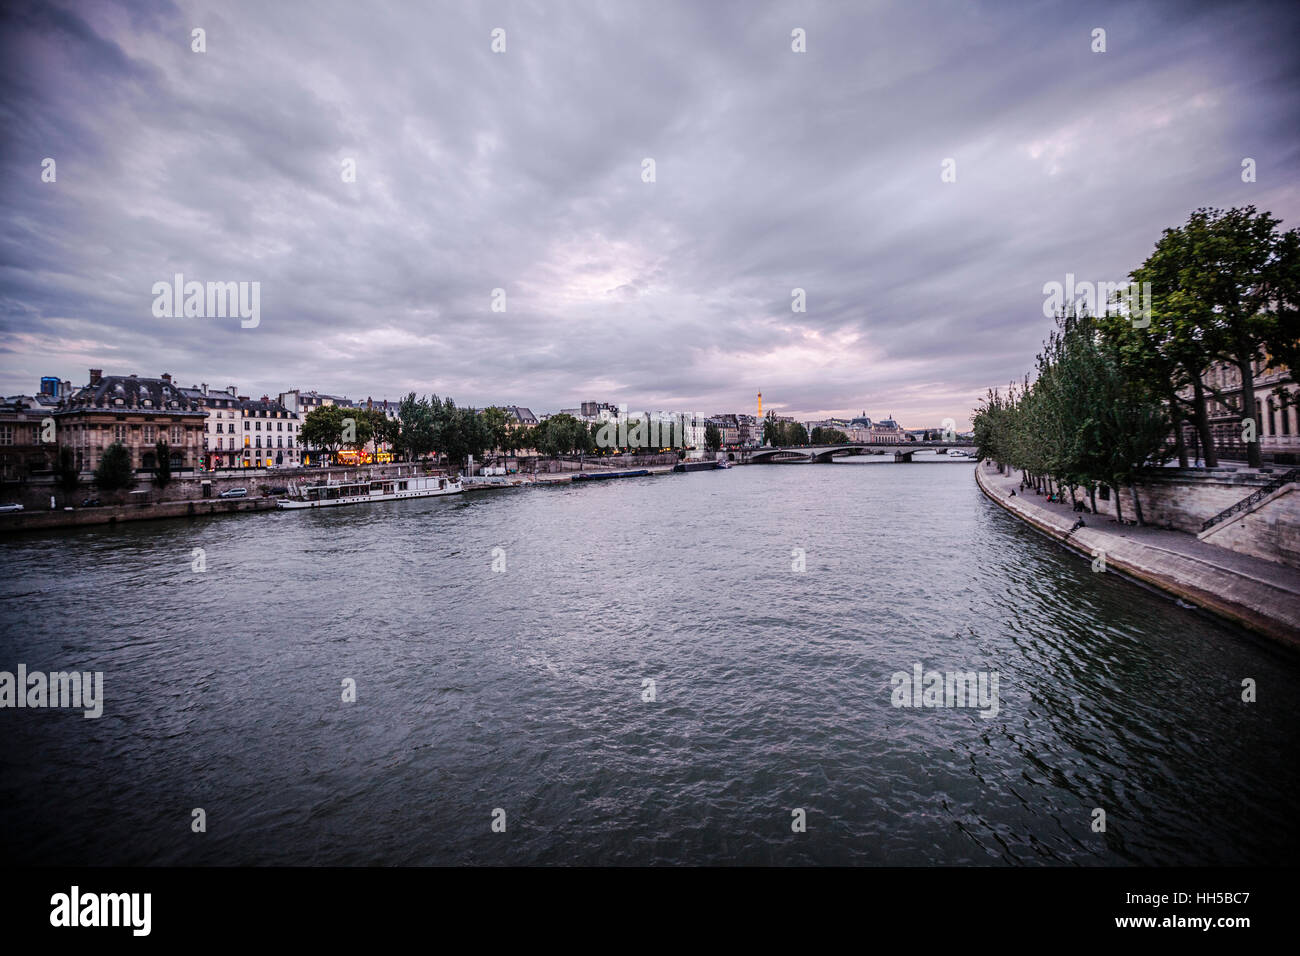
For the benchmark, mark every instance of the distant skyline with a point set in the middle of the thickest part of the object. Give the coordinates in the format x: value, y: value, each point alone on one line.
x: 522, y: 170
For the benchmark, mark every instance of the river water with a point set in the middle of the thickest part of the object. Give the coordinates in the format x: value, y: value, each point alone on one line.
x: 523, y: 690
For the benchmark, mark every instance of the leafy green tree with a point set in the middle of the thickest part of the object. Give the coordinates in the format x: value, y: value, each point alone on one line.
x: 323, y: 428
x: 162, y: 475
x: 1080, y: 422
x: 416, y: 432
x: 115, y: 471
x: 527, y: 437
x: 66, y: 472
x: 827, y: 436
x: 475, y: 433
x: 1166, y: 350
x: 516, y: 439
x: 496, y: 421
x: 378, y: 428
x: 458, y: 432
x: 1224, y: 288
x: 563, y: 434
x: 712, y: 438
x: 356, y: 428
x: 1282, y: 336
x: 1238, y: 265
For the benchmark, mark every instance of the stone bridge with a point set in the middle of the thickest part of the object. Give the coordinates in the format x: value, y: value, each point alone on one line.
x: 805, y: 454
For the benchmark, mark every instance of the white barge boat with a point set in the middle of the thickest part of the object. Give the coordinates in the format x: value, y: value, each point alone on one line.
x: 355, y: 491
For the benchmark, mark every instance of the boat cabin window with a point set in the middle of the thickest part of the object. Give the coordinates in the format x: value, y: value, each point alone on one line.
x: 401, y: 486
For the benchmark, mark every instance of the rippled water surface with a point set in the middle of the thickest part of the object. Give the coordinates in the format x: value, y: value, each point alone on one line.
x: 523, y: 690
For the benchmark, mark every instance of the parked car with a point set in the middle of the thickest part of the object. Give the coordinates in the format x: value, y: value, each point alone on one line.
x: 91, y: 503
x: 13, y: 507
x: 234, y: 493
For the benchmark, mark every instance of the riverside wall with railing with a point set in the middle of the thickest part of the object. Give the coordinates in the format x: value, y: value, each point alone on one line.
x: 1184, y: 499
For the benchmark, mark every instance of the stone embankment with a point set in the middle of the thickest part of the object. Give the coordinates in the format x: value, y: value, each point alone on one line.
x: 267, y: 489
x: 1261, y: 595
x: 112, y: 514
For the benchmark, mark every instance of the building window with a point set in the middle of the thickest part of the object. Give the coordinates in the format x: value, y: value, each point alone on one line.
x: 6, y: 434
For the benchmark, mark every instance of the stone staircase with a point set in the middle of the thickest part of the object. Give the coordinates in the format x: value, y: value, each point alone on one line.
x: 1245, y: 504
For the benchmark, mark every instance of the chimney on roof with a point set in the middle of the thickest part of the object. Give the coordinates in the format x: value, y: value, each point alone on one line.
x: 243, y: 398
x: 231, y: 390
x: 167, y: 377
x: 96, y: 375
x: 204, y: 388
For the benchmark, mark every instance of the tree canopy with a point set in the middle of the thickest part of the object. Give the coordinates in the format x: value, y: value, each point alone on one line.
x: 115, y: 471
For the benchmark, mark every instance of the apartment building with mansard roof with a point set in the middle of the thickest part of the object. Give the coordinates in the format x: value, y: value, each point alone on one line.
x: 138, y: 412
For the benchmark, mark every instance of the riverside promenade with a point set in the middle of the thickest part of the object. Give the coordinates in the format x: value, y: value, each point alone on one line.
x: 1257, y: 594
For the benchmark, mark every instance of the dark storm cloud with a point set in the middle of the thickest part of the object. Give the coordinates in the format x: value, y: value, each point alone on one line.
x: 522, y: 171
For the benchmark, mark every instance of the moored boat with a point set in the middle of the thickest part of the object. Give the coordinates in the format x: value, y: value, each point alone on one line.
x: 357, y: 491
x: 606, y: 475
x: 695, y: 465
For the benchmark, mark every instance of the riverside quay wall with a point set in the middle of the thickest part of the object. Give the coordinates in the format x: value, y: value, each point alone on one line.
x: 1262, y: 596
x: 1185, y: 498
x: 113, y: 514
x: 195, y: 495
x: 34, y: 494
x: 1269, y: 529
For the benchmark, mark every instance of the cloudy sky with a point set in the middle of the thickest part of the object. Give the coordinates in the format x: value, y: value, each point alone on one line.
x: 523, y: 170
